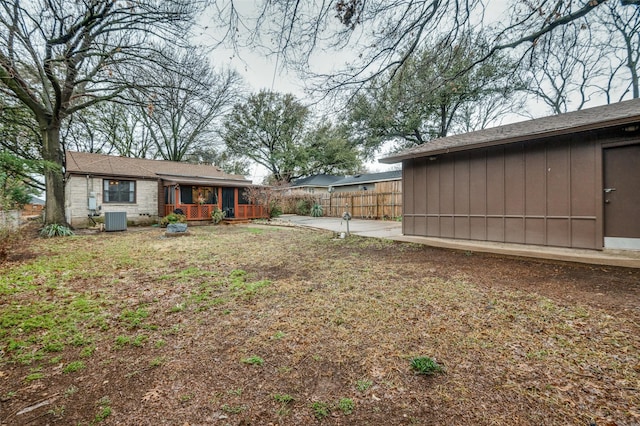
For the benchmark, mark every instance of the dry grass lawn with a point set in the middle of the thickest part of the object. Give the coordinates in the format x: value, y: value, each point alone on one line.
x: 239, y: 325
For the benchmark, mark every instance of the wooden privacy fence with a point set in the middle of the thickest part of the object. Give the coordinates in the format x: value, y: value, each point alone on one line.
x: 362, y: 204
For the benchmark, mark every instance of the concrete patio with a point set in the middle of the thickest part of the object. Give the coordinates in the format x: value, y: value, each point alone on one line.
x: 392, y: 230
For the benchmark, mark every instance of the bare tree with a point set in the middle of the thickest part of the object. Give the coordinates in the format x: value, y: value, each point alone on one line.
x: 623, y: 25
x: 179, y: 107
x: 386, y: 34
x: 565, y: 67
x: 60, y: 57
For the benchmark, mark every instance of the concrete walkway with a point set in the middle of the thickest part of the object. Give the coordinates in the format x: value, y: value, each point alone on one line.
x: 393, y: 231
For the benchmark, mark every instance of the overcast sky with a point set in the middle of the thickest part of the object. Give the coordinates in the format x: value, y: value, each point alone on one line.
x: 265, y: 72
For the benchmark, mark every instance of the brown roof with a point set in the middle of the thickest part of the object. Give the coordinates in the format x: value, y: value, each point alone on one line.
x: 618, y: 114
x: 109, y: 165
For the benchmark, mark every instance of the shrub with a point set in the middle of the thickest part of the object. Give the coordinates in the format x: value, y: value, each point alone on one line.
x: 172, y: 218
x: 274, y: 210
x: 303, y: 207
x: 425, y: 365
x: 56, y: 230
x: 217, y: 215
x: 316, y: 210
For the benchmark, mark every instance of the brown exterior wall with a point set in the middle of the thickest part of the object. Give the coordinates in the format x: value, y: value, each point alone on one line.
x: 545, y: 192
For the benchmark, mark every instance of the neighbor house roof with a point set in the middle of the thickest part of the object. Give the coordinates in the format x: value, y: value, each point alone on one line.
x: 618, y: 114
x: 173, y: 171
x: 369, y: 178
x: 315, y: 180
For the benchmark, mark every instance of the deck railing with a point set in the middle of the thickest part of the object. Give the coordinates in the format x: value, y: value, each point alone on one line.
x: 203, y: 211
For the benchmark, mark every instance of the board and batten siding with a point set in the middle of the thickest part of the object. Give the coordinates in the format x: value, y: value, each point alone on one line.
x: 542, y: 193
x: 143, y: 211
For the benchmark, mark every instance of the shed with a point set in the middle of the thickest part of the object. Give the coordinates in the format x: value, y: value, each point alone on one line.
x: 569, y: 180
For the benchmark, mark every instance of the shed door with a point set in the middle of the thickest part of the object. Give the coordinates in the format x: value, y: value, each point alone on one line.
x: 622, y: 197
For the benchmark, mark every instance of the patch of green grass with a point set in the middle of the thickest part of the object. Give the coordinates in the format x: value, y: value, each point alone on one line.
x: 186, y: 397
x: 157, y: 361
x: 363, y: 384
x: 30, y: 331
x: 104, y: 405
x: 34, y: 376
x: 346, y: 405
x: 253, y: 360
x: 283, y: 398
x: 320, y: 409
x: 139, y: 340
x: 240, y: 287
x: 87, y: 351
x: 235, y: 391
x: 121, y: 341
x: 425, y: 365
x: 9, y: 395
x: 74, y: 366
x: 133, y: 319
x: 233, y: 409
x: 278, y: 335
x: 160, y: 344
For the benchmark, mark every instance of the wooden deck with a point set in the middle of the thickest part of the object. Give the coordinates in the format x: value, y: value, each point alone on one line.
x: 203, y: 211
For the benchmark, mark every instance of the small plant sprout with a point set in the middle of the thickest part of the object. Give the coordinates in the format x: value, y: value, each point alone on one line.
x: 346, y: 405
x: 320, y: 410
x: 425, y: 365
x: 74, y: 366
x: 363, y: 384
x: 253, y: 360
x: 278, y: 335
x: 283, y: 398
x: 156, y: 362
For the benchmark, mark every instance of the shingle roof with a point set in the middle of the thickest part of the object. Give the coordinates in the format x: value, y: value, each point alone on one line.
x: 109, y: 165
x: 618, y: 114
x: 315, y: 180
x: 369, y: 178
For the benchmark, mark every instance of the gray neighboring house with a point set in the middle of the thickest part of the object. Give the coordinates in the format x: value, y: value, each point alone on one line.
x: 365, y: 182
x: 570, y: 180
x: 314, y: 184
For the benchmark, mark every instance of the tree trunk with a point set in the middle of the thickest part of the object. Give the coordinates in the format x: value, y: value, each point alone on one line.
x: 53, y: 175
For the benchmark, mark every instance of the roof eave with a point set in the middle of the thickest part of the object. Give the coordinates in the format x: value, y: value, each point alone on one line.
x: 522, y: 138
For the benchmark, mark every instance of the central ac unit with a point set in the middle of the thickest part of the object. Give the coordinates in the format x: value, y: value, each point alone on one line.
x: 115, y: 221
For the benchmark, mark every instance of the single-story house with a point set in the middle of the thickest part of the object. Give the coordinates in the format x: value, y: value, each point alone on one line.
x: 365, y: 182
x: 313, y: 184
x: 148, y: 189
x: 570, y: 180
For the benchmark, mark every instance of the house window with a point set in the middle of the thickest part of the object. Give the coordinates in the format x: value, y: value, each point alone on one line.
x: 119, y: 191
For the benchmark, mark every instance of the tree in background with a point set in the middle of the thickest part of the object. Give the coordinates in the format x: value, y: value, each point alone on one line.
x: 15, y: 173
x: 211, y: 154
x: 109, y: 128
x: 58, y: 58
x: 179, y: 106
x: 330, y: 151
x: 268, y: 129
x: 274, y: 131
x: 20, y: 139
x: 434, y: 94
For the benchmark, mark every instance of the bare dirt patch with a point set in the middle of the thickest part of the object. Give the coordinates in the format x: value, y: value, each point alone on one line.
x: 264, y: 325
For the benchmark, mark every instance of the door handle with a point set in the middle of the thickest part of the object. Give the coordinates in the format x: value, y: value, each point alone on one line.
x: 608, y: 190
